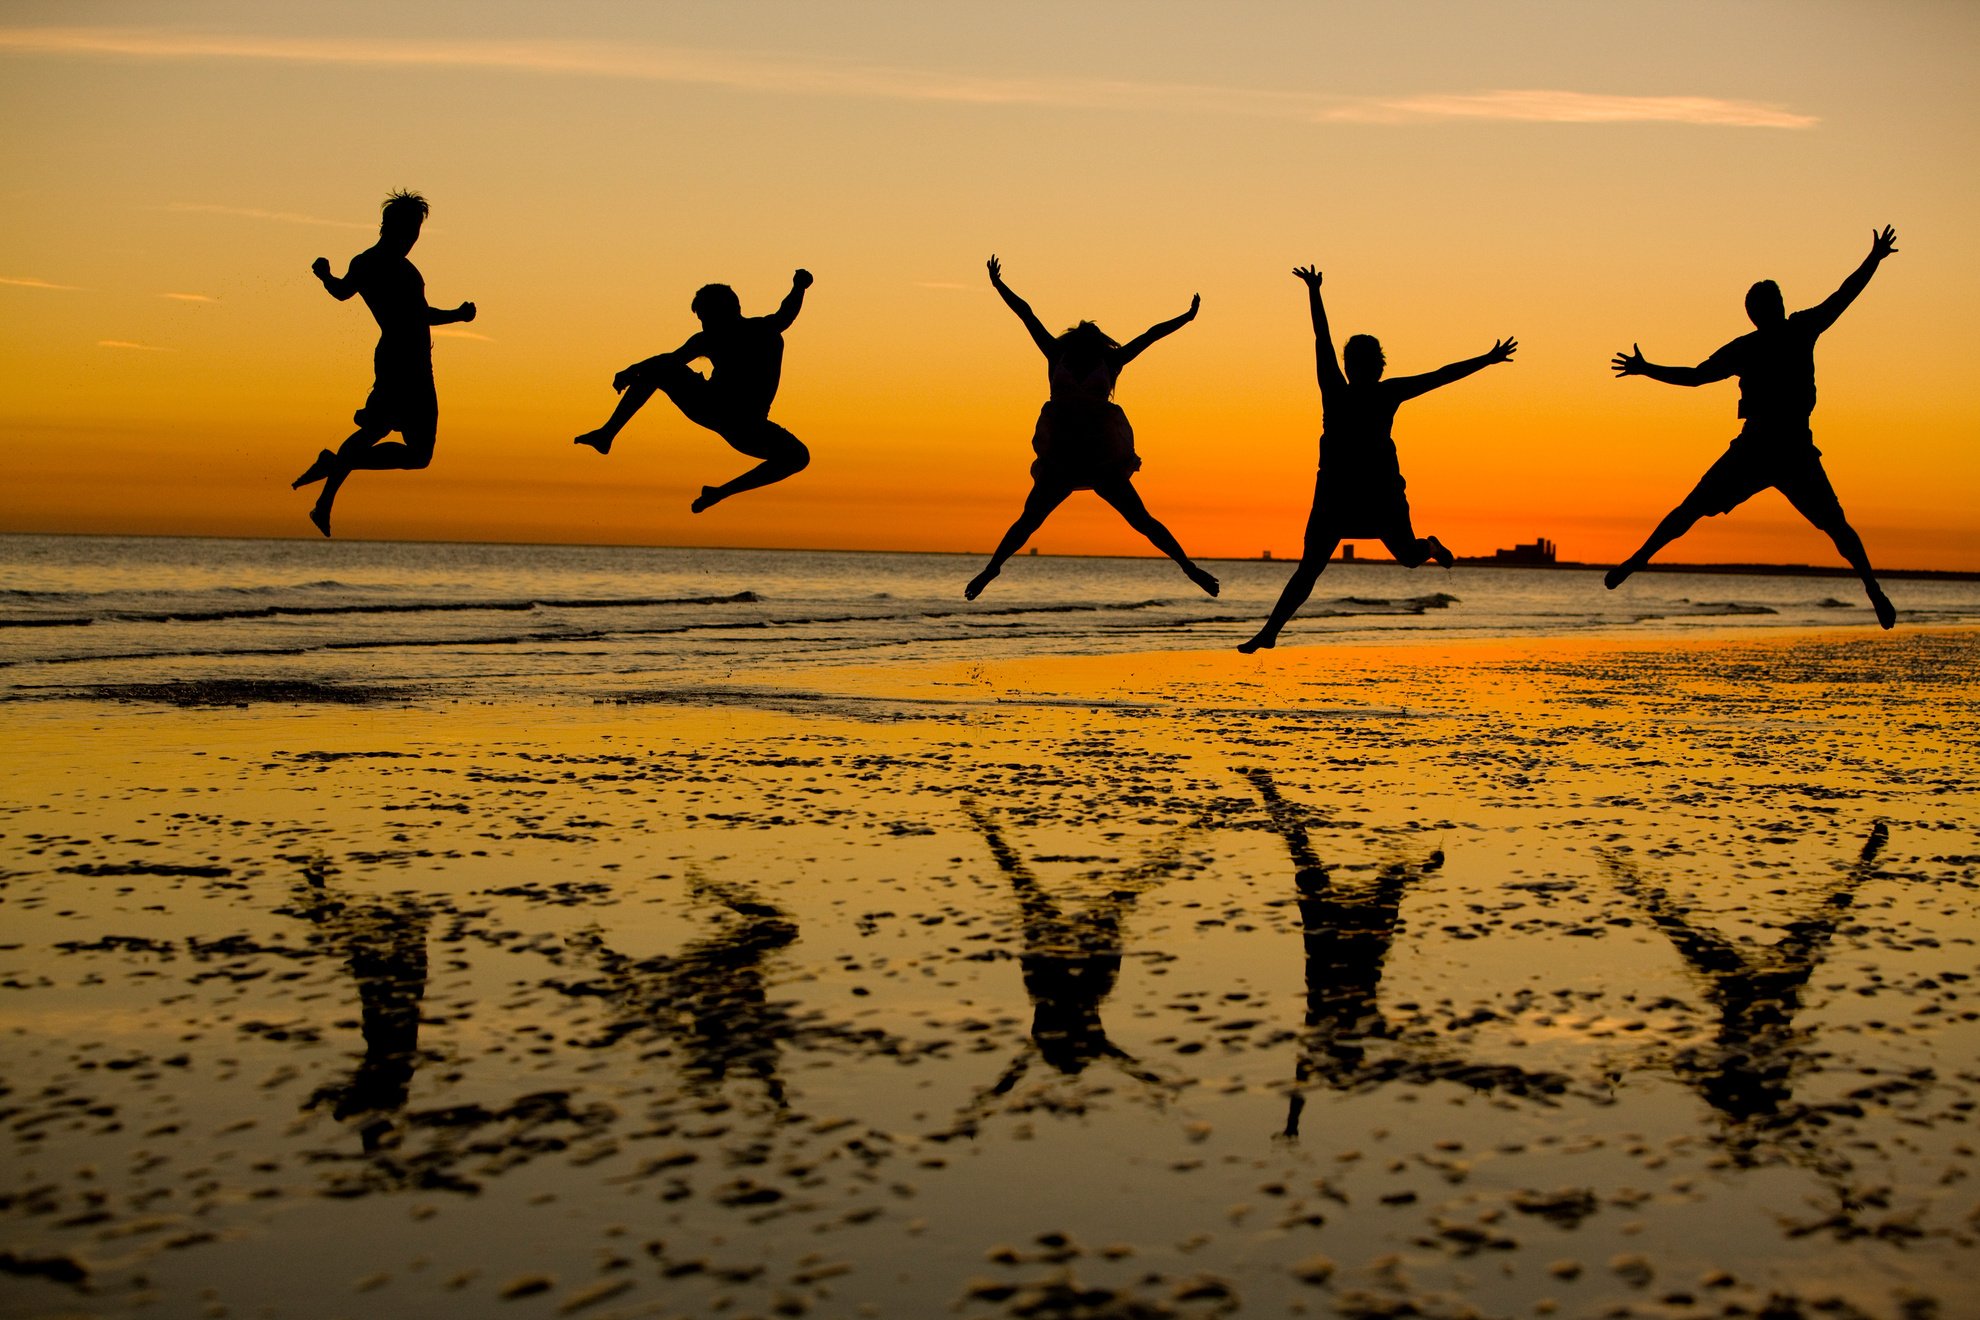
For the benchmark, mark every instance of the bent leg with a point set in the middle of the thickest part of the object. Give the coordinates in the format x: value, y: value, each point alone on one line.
x: 631, y: 400
x: 1127, y: 502
x: 365, y: 451
x: 783, y: 455
x: 1321, y: 543
x: 1038, y: 505
x: 1815, y: 499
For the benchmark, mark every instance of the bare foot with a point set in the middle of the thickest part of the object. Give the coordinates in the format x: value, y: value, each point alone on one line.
x: 1439, y: 552
x: 709, y: 498
x: 597, y: 440
x: 1259, y: 643
x: 317, y: 471
x: 1202, y: 579
x: 1886, y: 612
x: 978, y: 583
x: 1618, y: 575
x: 320, y: 515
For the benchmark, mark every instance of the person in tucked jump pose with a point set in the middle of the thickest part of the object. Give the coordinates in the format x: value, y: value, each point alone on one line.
x: 1083, y: 440
x: 1359, y: 491
x: 402, y: 397
x: 745, y: 355
x: 1776, y: 369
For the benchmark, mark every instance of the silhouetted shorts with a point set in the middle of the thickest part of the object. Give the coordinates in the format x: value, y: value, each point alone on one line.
x: 700, y: 402
x: 402, y: 398
x: 1351, y: 508
x: 1790, y: 464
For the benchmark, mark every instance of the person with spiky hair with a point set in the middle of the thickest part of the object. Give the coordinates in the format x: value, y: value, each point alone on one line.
x: 745, y: 355
x: 1775, y: 447
x: 402, y: 398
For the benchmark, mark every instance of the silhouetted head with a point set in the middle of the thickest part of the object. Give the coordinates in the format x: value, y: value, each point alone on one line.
x: 400, y: 218
x: 1764, y: 305
x: 1085, y: 345
x: 716, y: 304
x: 1362, y: 359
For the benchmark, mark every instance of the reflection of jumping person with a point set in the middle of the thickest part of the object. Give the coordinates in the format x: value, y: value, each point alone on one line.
x: 1748, y: 1073
x: 1083, y: 440
x: 402, y: 397
x: 746, y: 360
x: 1776, y: 369
x: 1358, y: 491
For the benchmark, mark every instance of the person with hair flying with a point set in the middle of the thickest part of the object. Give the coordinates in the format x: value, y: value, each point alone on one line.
x: 402, y: 398
x: 1082, y: 439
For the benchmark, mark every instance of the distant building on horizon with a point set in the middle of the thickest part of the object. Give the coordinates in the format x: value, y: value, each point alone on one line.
x: 1539, y: 551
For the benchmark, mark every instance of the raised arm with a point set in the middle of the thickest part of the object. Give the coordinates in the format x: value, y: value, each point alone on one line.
x: 1824, y: 313
x: 793, y: 301
x: 1039, y: 336
x: 1326, y: 363
x: 341, y: 289
x: 1633, y: 363
x: 1133, y: 348
x: 1411, y: 386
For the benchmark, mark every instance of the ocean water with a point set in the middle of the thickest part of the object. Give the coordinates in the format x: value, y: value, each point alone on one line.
x: 93, y: 614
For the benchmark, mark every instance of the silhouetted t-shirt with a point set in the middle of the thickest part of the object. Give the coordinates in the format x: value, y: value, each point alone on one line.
x: 395, y: 293
x: 746, y: 362
x: 1776, y: 370
x: 1355, y: 441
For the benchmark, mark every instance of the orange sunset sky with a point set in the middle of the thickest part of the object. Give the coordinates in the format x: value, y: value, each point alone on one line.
x: 1583, y: 176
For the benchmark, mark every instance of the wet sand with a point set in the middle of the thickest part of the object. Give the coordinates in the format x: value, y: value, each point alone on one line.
x: 1577, y: 978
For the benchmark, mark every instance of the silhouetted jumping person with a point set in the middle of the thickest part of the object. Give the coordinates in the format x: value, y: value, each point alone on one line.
x: 1776, y: 369
x: 745, y: 356
x: 1083, y: 440
x: 1359, y: 490
x: 402, y: 397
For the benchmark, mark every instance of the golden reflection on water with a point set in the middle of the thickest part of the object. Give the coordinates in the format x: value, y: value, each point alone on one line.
x: 1171, y: 975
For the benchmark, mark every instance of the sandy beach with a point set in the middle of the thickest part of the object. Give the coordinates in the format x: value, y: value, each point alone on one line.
x: 1469, y: 978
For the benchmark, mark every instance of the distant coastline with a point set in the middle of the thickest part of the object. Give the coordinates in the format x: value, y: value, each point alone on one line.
x: 1736, y: 570
x: 1468, y: 561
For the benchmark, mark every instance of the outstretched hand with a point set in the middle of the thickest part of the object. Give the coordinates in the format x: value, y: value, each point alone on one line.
x: 1882, y: 244
x: 1195, y: 301
x: 1630, y: 363
x: 466, y: 311
x: 1309, y: 274
x: 1502, y: 351
x: 801, y: 279
x: 996, y: 268
x: 320, y: 268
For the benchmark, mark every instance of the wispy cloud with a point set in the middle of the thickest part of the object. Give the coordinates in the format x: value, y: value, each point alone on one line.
x: 823, y: 77
x: 1555, y: 107
x: 127, y: 343
x: 257, y: 213
x: 189, y: 297
x: 28, y: 282
x: 455, y: 332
